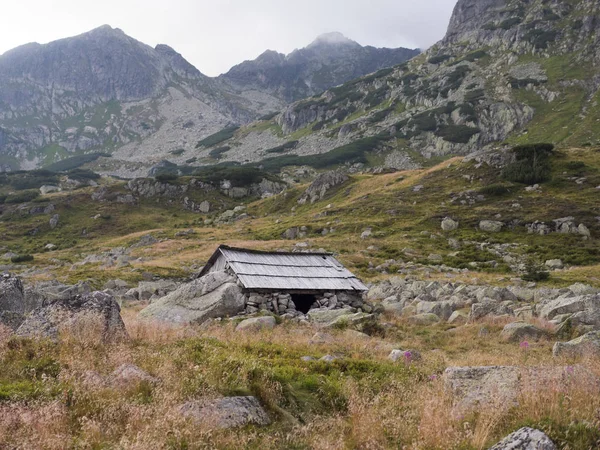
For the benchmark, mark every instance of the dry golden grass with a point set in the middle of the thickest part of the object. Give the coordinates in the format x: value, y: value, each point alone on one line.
x: 408, y: 410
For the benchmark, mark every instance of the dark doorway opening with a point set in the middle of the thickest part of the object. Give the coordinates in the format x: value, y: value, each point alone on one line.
x: 303, y: 302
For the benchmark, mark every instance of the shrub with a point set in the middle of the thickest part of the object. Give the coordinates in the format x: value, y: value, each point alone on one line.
x: 23, y: 197
x: 494, y: 190
x: 424, y: 122
x: 474, y: 96
x: 283, y: 148
x: 350, y: 153
x: 540, y: 38
x: 509, y: 23
x: 535, y: 272
x: 468, y: 111
x: 178, y: 152
x: 238, y: 176
x: 217, y: 153
x: 166, y: 177
x: 75, y: 162
x: 218, y: 137
x: 532, y: 164
x: 21, y: 258
x: 474, y: 56
x: 34, y: 179
x: 269, y: 116
x: 458, y: 134
x: 375, y: 97
x: 83, y: 175
x: 439, y: 59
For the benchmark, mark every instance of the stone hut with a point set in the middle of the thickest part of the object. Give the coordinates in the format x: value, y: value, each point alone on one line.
x: 288, y: 283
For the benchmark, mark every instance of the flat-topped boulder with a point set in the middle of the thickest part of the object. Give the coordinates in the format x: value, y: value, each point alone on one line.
x: 97, y: 309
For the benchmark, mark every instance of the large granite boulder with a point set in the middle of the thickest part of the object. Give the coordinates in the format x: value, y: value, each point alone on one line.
x: 12, y: 296
x: 212, y: 296
x: 588, y: 344
x: 501, y: 386
x: 322, y: 184
x: 525, y: 439
x: 75, y: 313
x: 227, y: 412
x: 520, y: 331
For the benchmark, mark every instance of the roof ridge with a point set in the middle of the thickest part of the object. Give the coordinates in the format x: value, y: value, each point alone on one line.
x: 264, y: 252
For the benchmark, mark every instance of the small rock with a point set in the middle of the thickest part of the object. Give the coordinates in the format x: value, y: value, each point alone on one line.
x: 424, y: 319
x: 54, y: 221
x: 257, y: 324
x: 554, y: 264
x: 404, y: 355
x: 449, y: 224
x: 491, y: 226
x: 525, y: 439
x: 227, y: 412
x: 129, y: 375
x: 458, y: 318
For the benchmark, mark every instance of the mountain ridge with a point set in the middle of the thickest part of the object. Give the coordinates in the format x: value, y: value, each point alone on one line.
x: 507, y: 72
x: 104, y: 90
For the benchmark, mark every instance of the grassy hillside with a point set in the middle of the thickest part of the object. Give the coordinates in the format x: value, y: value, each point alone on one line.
x: 404, y: 211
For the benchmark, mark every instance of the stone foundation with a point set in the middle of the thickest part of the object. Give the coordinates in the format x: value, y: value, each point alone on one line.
x: 282, y: 303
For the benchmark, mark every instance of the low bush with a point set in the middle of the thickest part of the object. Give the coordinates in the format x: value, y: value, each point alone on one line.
x: 494, y: 190
x: 21, y: 258
x: 532, y: 164
x: 458, y: 134
x: 283, y: 148
x: 439, y: 59
x: 218, y: 137
x: 166, y: 177
x: 217, y: 153
x: 75, y: 162
x: 22, y: 197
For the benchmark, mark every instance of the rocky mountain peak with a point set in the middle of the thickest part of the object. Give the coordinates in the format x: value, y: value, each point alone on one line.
x: 177, y: 62
x: 470, y: 15
x: 333, y: 39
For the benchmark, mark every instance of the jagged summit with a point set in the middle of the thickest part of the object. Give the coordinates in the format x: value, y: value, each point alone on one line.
x: 104, y: 91
x: 333, y: 38
x: 331, y: 59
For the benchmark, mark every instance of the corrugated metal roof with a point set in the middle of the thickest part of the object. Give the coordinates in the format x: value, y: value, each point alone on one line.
x: 289, y: 271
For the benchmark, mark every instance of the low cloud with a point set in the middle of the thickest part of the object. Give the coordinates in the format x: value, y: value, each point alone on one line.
x: 215, y: 35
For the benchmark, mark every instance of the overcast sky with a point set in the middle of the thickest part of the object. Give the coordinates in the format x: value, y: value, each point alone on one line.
x: 215, y: 35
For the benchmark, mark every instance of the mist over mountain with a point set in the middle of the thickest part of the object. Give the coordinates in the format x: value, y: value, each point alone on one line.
x: 331, y: 59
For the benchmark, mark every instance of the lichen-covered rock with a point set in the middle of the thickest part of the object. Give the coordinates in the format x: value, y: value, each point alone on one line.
x: 76, y: 314
x: 212, y: 296
x: 519, y: 331
x: 257, y: 324
x: 11, y: 319
x: 491, y: 226
x: 525, y: 439
x: 501, y: 386
x: 322, y: 184
x: 588, y: 344
x: 227, y: 412
x: 424, y: 319
x: 449, y: 224
x: 490, y: 308
x: 128, y: 375
x: 12, y: 297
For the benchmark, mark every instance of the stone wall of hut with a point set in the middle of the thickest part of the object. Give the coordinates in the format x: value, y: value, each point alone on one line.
x: 281, y: 303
